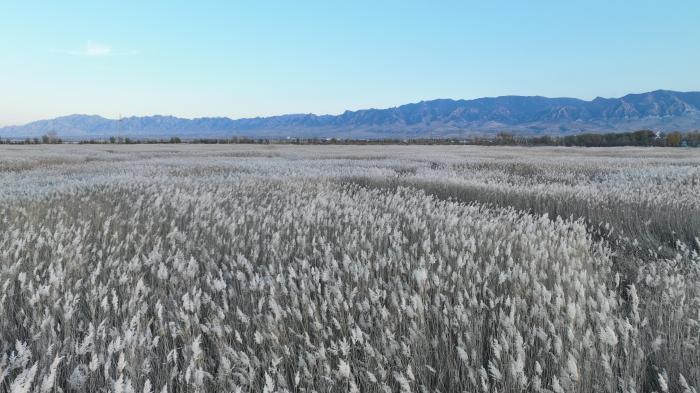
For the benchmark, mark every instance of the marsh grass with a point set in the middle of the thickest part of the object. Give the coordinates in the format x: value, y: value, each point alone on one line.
x: 208, y: 269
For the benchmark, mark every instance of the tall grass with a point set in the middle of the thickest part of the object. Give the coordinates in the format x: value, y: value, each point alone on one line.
x: 226, y: 270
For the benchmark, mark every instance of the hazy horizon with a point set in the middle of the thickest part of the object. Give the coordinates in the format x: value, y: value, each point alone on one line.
x: 247, y: 60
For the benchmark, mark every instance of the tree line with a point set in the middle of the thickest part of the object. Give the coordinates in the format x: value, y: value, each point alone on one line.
x: 636, y: 138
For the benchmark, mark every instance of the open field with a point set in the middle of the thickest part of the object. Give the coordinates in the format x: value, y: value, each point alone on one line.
x: 186, y: 268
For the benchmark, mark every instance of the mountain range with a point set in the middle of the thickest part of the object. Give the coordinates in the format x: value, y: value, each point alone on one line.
x: 660, y: 110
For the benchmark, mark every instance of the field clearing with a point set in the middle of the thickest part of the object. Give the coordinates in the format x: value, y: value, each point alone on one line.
x: 187, y: 268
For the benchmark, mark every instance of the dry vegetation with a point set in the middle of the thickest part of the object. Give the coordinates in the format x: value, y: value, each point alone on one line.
x: 375, y: 269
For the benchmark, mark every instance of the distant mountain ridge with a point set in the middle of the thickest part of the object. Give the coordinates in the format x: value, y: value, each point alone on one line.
x: 661, y: 110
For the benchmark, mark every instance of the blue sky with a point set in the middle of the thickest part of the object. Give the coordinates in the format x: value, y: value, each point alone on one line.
x: 255, y: 58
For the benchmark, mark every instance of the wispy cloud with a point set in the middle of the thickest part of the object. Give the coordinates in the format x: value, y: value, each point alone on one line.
x: 98, y: 49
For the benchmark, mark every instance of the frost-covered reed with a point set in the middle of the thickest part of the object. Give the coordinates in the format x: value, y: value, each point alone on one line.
x: 256, y: 269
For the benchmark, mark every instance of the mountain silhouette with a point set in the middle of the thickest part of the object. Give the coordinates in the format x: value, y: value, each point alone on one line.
x: 660, y: 110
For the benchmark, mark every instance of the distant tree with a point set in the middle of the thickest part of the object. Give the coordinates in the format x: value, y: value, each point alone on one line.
x: 543, y: 140
x: 693, y: 138
x: 674, y: 139
x: 175, y: 140
x: 50, y: 137
x: 644, y: 137
x: 505, y: 138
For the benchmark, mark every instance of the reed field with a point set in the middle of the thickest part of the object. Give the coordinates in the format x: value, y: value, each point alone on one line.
x: 281, y: 268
